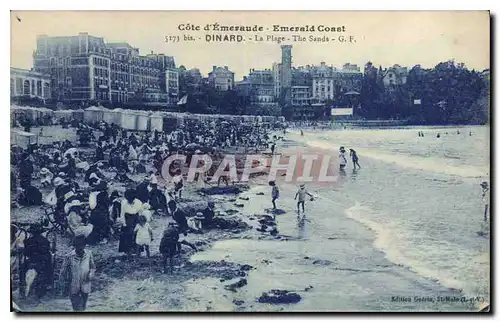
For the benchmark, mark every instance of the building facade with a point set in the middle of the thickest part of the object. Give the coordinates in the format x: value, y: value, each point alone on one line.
x: 221, y: 78
x: 29, y: 83
x: 286, y: 72
x: 329, y: 82
x: 84, y: 68
x: 301, y: 103
x: 322, y: 82
x: 172, y: 85
x: 277, y: 80
x: 395, y: 76
x: 262, y: 87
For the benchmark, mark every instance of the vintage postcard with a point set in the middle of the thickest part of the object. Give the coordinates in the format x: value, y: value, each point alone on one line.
x: 237, y: 161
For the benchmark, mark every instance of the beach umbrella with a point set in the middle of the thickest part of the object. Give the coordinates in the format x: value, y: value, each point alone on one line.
x: 192, y: 146
x: 71, y: 151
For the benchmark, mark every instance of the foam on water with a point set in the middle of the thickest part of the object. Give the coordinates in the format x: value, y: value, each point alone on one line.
x: 395, y: 250
x: 434, y: 164
x: 430, y: 231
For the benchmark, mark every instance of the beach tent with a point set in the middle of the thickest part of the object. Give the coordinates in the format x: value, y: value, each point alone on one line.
x: 78, y: 114
x: 268, y: 118
x: 170, y: 122
x: 22, y: 139
x: 32, y: 113
x: 142, y: 120
x: 66, y: 115
x: 44, y: 112
x: 128, y: 120
x: 117, y: 116
x: 180, y: 118
x: 112, y: 116
x: 108, y: 116
x: 93, y: 114
x: 25, y: 112
x: 156, y: 121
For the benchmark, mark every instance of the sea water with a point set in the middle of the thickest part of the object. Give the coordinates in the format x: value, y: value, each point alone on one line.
x: 407, y: 225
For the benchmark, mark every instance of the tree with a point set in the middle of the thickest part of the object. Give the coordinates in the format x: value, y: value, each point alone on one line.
x: 449, y: 93
x: 371, y: 93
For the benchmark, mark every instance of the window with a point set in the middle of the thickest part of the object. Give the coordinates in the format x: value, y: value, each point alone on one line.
x: 46, y: 90
x: 26, y: 87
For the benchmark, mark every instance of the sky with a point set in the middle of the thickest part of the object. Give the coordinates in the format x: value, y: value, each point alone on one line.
x: 384, y: 38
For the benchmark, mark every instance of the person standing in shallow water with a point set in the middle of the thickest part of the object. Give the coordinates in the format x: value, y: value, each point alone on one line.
x: 342, y: 158
x: 275, y: 193
x: 77, y: 272
x: 354, y: 157
x: 485, y: 197
x: 301, y: 193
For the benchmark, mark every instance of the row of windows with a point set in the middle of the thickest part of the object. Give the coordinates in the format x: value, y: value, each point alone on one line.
x: 29, y: 88
x: 79, y: 61
x: 119, y: 77
x: 101, y: 72
x: 101, y: 62
x: 60, y: 61
x: 98, y: 82
x: 119, y: 97
x: 135, y: 70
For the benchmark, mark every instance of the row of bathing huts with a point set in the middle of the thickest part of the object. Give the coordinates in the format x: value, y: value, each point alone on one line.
x: 132, y: 119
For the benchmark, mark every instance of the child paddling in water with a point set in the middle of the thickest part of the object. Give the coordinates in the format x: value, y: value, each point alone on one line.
x: 485, y: 197
x: 275, y: 193
x: 301, y: 193
x: 354, y: 157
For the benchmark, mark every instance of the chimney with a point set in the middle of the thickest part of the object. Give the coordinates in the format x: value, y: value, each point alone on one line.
x: 226, y: 68
x: 214, y: 68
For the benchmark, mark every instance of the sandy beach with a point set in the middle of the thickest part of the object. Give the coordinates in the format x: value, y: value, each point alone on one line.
x: 337, y: 261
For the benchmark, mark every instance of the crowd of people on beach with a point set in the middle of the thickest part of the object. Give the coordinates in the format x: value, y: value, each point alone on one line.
x: 108, y: 185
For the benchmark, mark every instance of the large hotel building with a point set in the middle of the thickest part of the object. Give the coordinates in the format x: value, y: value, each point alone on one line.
x: 84, y: 68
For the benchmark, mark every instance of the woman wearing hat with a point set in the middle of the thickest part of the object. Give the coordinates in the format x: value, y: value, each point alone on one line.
x: 129, y: 216
x: 46, y: 177
x: 99, y: 215
x: 77, y: 219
